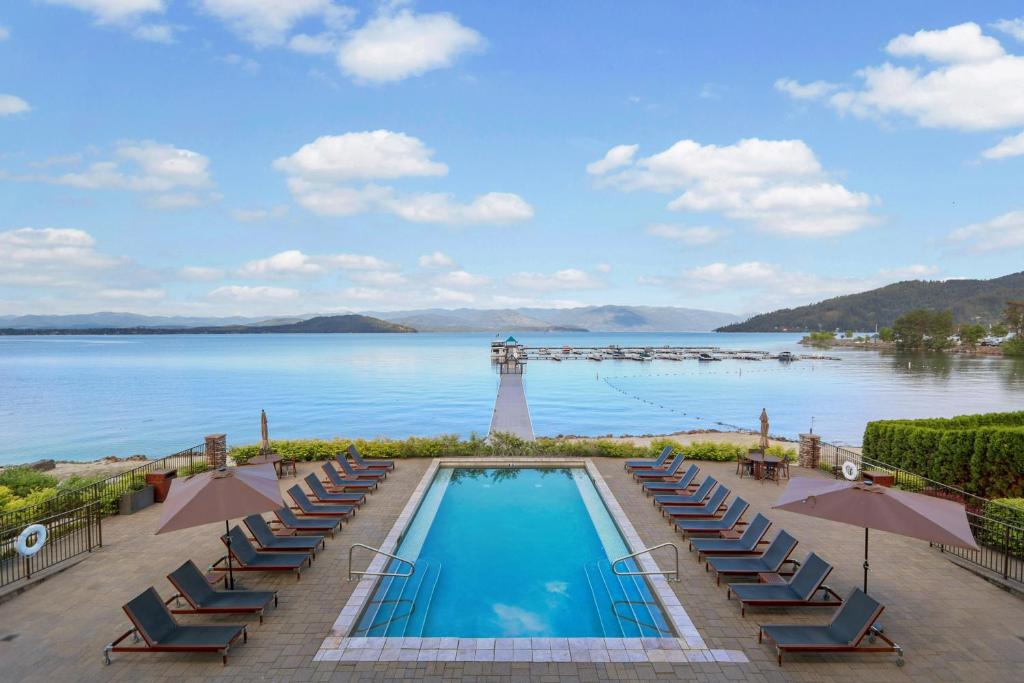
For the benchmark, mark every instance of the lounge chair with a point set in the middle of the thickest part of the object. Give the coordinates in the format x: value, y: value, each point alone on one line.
x: 679, y: 486
x: 307, y: 507
x: 747, y: 544
x: 247, y: 559
x: 271, y: 542
x: 798, y: 592
x: 710, y: 507
x: 660, y: 474
x: 202, y: 598
x: 337, y: 483
x: 706, y: 525
x: 649, y: 463
x: 357, y: 473
x: 770, y: 562
x: 695, y: 498
x: 321, y: 493
x: 850, y: 624
x: 160, y: 632
x: 306, y: 525
x: 372, y: 463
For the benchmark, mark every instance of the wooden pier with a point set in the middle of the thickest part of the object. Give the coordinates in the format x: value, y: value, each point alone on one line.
x: 511, y: 413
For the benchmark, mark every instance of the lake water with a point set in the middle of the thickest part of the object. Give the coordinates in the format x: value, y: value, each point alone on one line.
x: 81, y: 398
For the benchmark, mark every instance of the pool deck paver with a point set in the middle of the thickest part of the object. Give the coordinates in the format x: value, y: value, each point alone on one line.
x: 953, y: 625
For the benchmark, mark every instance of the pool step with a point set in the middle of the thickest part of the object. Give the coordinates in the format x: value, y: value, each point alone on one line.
x: 417, y: 621
x: 624, y: 604
x: 394, y: 601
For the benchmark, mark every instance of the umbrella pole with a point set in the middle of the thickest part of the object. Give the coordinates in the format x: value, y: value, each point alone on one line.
x: 231, y: 570
x: 866, y: 565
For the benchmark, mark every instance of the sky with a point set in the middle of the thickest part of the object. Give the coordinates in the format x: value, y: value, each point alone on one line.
x: 257, y: 157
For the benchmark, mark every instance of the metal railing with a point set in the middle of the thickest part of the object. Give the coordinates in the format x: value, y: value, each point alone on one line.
x: 1000, y: 541
x: 69, y: 533
x: 378, y: 551
x: 672, y: 575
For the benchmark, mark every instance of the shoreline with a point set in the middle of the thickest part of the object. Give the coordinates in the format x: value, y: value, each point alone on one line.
x: 993, y: 351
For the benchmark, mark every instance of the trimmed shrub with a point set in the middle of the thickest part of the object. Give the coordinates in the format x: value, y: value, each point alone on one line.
x: 983, y: 454
x: 24, y: 480
x: 1010, y: 511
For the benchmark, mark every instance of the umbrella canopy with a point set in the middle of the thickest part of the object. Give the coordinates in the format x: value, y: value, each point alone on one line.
x: 764, y: 430
x: 264, y: 434
x: 220, y: 495
x: 879, y: 507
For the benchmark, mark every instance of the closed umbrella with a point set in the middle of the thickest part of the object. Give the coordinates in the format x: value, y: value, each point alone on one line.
x: 264, y: 434
x: 879, y: 507
x: 217, y: 495
x: 764, y: 430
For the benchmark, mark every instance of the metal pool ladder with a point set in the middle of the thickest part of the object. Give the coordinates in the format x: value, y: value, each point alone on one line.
x: 402, y: 575
x: 672, y: 575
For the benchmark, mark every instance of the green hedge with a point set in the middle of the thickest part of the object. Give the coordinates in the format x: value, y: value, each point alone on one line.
x: 983, y: 454
x: 500, y: 445
x: 1010, y: 511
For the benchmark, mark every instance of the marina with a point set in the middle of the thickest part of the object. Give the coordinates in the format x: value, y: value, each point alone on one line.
x: 646, y: 354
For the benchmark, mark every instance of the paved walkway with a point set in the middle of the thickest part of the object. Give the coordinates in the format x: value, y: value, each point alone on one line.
x: 953, y: 625
x: 511, y: 413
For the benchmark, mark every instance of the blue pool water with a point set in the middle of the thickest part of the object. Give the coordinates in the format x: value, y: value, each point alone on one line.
x: 512, y: 553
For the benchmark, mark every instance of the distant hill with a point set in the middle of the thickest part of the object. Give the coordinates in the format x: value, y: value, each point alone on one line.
x: 980, y: 301
x: 110, y: 319
x: 473, y: 320
x: 318, y: 325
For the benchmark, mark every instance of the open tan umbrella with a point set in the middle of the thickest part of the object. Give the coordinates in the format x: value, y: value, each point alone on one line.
x: 764, y: 430
x: 879, y: 507
x: 264, y: 434
x: 221, y: 494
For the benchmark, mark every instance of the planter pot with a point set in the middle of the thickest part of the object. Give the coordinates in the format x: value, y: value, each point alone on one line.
x: 133, y: 501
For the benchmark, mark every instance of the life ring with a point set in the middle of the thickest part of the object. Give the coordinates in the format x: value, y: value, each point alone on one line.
x: 850, y: 471
x: 22, y: 546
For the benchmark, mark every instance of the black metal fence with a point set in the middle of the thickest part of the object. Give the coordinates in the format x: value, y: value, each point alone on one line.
x: 1000, y: 539
x: 69, y: 533
x: 72, y: 516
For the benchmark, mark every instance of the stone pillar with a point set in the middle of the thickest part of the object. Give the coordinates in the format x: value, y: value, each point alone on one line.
x: 810, y: 451
x: 216, y: 450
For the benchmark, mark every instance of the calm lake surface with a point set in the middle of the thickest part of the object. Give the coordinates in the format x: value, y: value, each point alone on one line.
x: 81, y: 398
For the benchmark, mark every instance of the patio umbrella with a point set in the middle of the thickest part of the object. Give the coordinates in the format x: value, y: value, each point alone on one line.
x: 764, y: 430
x: 220, y: 494
x: 879, y: 507
x: 264, y: 434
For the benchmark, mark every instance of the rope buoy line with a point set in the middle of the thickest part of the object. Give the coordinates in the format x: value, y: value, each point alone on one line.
x: 719, y: 423
x: 713, y: 372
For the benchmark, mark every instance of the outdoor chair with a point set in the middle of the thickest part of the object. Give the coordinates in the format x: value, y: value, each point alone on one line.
x: 649, y: 463
x: 270, y: 542
x: 307, y: 507
x: 202, y: 598
x: 708, y: 509
x: 799, y: 591
x: 287, y: 519
x: 154, y: 629
x: 354, y: 473
x: 708, y: 524
x: 248, y: 559
x: 655, y: 475
x: 336, y: 482
x: 696, y: 498
x: 850, y: 624
x: 684, y: 483
x: 747, y: 544
x: 371, y: 464
x: 321, y: 493
x: 743, y: 464
x: 770, y: 562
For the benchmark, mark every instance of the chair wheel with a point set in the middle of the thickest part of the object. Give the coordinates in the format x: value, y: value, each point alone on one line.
x: 900, y: 661
x: 871, y: 638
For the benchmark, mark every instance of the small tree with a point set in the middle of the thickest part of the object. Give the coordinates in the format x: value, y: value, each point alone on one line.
x: 887, y: 334
x: 1014, y: 317
x: 999, y: 330
x: 970, y: 335
x: 848, y: 334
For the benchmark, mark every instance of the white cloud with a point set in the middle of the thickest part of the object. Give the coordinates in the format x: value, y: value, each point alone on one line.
x: 1002, y: 232
x: 397, y: 45
x: 1011, y: 146
x: 201, y: 273
x: 147, y: 294
x: 244, y: 63
x: 436, y: 259
x: 1011, y: 27
x: 364, y: 155
x: 569, y: 278
x: 320, y: 44
x: 805, y: 91
x: 462, y: 278
x: 777, y: 184
x: 12, y: 104
x: 356, y: 262
x: 694, y: 237
x: 5, y: 32
x: 49, y: 256
x: 365, y: 293
x: 152, y: 167
x: 257, y: 215
x: 289, y: 263
x: 443, y: 294
x: 619, y: 155
x: 973, y: 83
x: 247, y: 294
x: 603, y: 268
x: 378, y: 278
x: 113, y: 11
x: 493, y: 208
x: 268, y: 22
x: 155, y: 33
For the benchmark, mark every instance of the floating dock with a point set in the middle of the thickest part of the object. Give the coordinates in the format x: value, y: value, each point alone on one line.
x: 511, y: 413
x: 651, y: 353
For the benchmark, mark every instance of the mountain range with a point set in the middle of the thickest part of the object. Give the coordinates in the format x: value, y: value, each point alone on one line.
x: 971, y: 301
x: 316, y: 325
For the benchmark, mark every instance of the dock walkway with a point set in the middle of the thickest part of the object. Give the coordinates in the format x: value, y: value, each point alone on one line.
x: 511, y: 414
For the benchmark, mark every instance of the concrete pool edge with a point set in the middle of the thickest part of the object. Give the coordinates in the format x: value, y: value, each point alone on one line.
x: 687, y: 646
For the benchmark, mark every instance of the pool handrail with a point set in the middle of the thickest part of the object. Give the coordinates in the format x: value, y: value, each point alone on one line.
x: 353, y: 572
x: 670, y: 575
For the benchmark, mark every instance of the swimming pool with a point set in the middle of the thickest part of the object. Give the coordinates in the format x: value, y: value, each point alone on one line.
x: 512, y: 552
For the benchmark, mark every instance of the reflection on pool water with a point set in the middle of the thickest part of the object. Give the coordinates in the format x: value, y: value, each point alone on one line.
x: 512, y: 552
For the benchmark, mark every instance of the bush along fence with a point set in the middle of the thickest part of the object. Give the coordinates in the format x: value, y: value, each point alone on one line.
x: 71, y: 511
x: 998, y: 525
